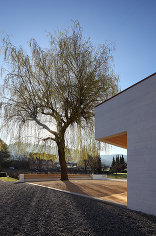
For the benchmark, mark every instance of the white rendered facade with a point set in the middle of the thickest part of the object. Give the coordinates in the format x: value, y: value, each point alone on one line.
x: 129, y: 120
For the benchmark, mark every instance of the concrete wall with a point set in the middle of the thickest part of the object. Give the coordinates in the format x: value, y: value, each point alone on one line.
x: 134, y: 111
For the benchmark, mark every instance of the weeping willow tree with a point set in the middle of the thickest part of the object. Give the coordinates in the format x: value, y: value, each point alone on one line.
x: 52, y: 90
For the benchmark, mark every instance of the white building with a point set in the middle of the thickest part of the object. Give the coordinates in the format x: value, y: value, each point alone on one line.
x: 128, y: 120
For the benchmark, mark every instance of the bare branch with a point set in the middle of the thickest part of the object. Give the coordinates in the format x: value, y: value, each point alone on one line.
x: 49, y: 138
x: 45, y: 126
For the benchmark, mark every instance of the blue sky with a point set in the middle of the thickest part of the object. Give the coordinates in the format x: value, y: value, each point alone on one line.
x: 129, y: 25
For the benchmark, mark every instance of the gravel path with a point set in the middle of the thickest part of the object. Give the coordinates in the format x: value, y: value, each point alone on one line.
x: 32, y: 210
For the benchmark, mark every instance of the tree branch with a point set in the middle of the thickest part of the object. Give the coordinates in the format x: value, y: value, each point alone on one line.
x: 49, y: 138
x: 45, y: 126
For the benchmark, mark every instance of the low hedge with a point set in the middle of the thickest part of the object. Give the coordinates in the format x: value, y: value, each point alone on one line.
x: 3, y: 174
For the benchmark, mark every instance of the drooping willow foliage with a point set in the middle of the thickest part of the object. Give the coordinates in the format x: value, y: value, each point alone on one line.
x: 28, y: 138
x: 50, y: 94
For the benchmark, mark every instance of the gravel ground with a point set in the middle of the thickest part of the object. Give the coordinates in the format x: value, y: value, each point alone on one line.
x: 32, y: 210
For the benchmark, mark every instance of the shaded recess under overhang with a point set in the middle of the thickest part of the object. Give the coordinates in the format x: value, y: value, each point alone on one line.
x: 119, y: 139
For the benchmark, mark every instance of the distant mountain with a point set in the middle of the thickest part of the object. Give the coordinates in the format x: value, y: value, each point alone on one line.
x: 107, y: 159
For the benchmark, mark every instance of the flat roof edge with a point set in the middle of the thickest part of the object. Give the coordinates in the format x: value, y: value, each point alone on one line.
x: 126, y: 89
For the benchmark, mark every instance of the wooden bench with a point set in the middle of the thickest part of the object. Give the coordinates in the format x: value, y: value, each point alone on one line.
x: 47, y: 177
x: 79, y: 176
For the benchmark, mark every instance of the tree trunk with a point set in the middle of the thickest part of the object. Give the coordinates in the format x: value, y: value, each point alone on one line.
x: 61, y: 153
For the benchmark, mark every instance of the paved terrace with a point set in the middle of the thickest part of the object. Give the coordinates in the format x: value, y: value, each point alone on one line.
x: 109, y: 190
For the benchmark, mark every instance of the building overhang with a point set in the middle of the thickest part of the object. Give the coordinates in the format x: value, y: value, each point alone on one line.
x: 119, y: 139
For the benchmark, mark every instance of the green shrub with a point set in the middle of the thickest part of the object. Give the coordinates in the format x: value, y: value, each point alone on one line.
x: 14, y: 175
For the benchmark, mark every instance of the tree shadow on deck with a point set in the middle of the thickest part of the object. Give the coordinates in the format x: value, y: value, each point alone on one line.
x: 73, y: 187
